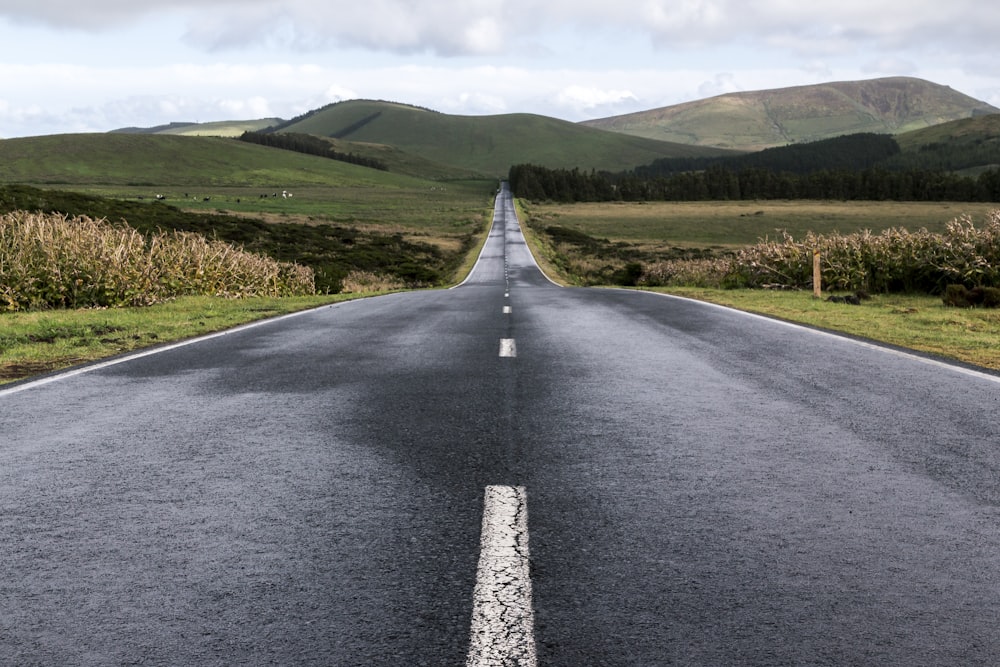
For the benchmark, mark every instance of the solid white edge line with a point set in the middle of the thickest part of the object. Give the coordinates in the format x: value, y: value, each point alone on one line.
x: 496, y: 201
x: 80, y: 370
x: 937, y: 363
x: 513, y: 212
x: 502, y: 631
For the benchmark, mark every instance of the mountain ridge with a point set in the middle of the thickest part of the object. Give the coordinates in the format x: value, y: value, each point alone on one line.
x: 755, y: 120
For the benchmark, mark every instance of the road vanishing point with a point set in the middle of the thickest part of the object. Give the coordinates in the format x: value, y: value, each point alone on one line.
x: 504, y: 473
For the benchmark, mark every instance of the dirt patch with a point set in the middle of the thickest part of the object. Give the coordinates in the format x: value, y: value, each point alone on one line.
x: 25, y: 369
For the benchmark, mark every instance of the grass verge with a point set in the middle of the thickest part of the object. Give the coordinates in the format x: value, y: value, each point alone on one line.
x: 916, y: 322
x: 36, y: 342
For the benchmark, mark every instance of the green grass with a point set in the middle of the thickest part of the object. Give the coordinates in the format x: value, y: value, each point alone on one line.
x: 37, y: 342
x: 427, y: 209
x: 915, y: 322
x: 165, y: 161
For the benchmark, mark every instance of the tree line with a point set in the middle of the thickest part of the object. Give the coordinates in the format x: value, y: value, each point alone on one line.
x: 851, y: 152
x: 862, y: 166
x: 310, y: 145
x: 752, y: 183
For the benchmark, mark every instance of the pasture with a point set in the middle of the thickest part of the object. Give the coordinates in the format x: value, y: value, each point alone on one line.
x: 727, y: 225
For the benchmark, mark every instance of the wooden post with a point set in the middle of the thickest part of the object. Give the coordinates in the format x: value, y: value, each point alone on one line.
x: 817, y: 275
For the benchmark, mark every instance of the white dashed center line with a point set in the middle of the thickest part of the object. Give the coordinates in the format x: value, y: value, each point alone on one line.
x: 507, y: 347
x: 507, y: 310
x: 502, y: 616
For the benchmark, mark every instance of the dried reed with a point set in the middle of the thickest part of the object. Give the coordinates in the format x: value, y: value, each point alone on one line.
x: 53, y: 261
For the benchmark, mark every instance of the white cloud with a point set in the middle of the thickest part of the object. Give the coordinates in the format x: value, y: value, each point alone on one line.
x: 586, y: 101
x: 720, y: 84
x: 472, y: 103
x: 476, y: 27
x: 165, y: 60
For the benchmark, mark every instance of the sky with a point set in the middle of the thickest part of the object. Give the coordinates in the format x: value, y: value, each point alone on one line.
x: 98, y: 65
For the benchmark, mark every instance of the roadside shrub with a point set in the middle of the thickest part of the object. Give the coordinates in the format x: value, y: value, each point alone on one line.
x: 958, y: 296
x: 367, y: 281
x: 895, y: 260
x: 705, y: 272
x: 54, y: 261
x: 628, y: 275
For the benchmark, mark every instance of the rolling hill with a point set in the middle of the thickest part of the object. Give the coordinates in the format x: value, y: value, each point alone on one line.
x: 417, y: 142
x: 763, y: 119
x: 485, y: 144
x: 166, y: 160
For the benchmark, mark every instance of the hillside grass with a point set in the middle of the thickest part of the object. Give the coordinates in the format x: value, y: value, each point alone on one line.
x: 754, y: 120
x: 189, y: 162
x: 486, y: 144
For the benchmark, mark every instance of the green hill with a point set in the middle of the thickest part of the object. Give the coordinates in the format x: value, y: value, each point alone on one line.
x: 969, y: 145
x: 488, y: 145
x: 768, y: 118
x: 167, y: 160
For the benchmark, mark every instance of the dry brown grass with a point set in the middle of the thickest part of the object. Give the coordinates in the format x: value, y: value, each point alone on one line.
x: 360, y: 282
x: 895, y: 260
x: 53, y: 261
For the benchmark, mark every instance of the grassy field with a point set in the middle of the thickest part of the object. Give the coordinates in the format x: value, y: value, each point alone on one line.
x: 165, y: 161
x: 217, y: 175
x: 723, y: 225
x: 428, y: 210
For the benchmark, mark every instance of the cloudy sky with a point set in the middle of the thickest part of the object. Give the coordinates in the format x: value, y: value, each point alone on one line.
x: 97, y: 65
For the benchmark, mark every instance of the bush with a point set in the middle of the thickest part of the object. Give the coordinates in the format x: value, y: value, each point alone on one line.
x: 54, y: 261
x: 896, y: 260
x: 628, y: 276
x: 958, y: 296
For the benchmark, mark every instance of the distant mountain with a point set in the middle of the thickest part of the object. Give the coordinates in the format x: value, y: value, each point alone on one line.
x: 225, y: 128
x: 488, y: 145
x: 767, y: 118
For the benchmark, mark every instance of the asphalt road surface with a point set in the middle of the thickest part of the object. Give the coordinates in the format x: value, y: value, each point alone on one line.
x: 702, y: 487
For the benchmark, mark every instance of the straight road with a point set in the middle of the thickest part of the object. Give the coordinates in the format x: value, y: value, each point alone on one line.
x: 703, y: 487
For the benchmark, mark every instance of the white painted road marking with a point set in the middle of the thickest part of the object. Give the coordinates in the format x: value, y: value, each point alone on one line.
x: 506, y: 310
x: 508, y: 347
x: 502, y: 616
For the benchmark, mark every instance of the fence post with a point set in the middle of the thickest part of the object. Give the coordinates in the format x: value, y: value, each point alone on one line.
x: 817, y: 275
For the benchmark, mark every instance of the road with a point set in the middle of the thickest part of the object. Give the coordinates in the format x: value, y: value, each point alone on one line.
x: 703, y: 487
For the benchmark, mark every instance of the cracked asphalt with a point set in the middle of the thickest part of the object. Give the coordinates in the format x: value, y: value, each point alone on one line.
x: 703, y: 488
